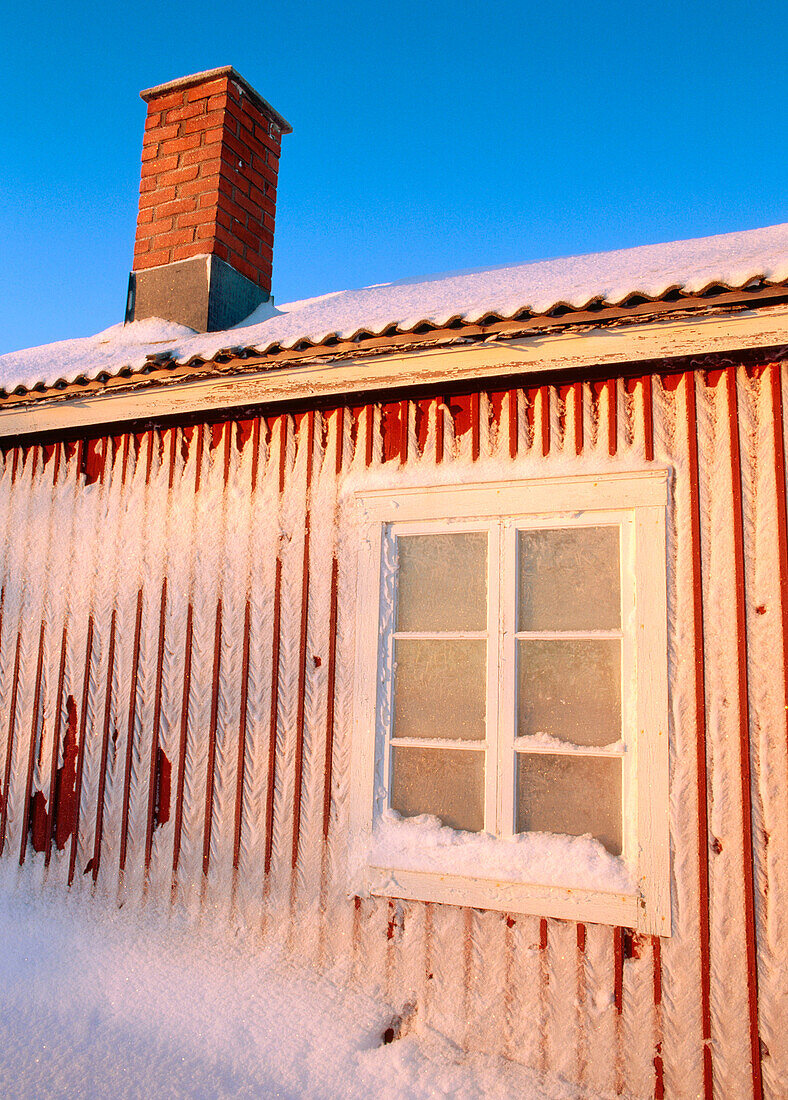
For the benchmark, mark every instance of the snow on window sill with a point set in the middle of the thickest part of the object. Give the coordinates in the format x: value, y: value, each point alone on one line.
x: 424, y: 844
x: 537, y: 873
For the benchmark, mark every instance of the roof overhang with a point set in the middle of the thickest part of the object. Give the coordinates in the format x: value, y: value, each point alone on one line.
x: 245, y: 383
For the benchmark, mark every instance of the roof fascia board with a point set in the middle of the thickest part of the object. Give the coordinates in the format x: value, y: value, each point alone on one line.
x: 554, y: 354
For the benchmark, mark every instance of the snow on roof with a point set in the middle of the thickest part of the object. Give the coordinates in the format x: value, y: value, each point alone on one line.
x: 732, y: 259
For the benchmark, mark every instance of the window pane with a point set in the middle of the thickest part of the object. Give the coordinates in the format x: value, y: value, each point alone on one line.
x: 448, y: 783
x: 442, y: 582
x: 440, y: 688
x: 570, y: 689
x: 570, y: 794
x: 569, y: 579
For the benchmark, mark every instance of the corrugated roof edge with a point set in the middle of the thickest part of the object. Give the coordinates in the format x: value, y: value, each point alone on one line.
x: 167, y: 362
x: 729, y: 270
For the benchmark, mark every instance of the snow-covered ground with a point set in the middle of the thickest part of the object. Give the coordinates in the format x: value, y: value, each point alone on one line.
x: 97, y: 1001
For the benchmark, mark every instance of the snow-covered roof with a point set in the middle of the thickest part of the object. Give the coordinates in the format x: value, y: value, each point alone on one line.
x: 733, y: 260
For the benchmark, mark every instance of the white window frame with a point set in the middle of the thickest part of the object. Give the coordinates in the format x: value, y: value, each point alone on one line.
x: 636, y: 501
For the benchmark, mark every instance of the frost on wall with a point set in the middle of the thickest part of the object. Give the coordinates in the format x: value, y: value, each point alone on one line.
x: 176, y: 670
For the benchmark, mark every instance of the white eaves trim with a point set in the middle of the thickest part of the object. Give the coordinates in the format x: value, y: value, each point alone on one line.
x: 321, y: 378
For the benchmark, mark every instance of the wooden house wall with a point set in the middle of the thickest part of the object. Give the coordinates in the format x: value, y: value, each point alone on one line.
x: 176, y: 676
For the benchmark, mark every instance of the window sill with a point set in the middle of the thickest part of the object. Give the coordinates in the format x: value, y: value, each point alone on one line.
x: 571, y: 878
x: 565, y: 902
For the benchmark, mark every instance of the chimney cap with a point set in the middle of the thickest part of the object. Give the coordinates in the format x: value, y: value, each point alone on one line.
x: 210, y: 74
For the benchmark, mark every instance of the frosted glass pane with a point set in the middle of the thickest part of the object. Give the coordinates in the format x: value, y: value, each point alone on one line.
x: 570, y: 794
x: 569, y: 579
x: 442, y: 582
x: 570, y: 689
x: 440, y: 688
x: 448, y: 783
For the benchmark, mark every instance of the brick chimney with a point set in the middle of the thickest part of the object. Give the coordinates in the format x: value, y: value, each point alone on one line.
x: 205, y: 231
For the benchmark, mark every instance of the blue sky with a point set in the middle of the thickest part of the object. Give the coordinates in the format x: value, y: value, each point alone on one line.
x: 428, y: 136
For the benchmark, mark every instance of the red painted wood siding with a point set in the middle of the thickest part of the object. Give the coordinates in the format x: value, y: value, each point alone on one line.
x: 176, y: 648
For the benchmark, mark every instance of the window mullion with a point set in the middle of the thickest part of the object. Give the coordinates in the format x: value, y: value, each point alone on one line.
x: 507, y: 676
x: 493, y: 617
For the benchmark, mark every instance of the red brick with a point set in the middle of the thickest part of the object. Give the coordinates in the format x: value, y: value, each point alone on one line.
x: 265, y: 243
x: 263, y: 277
x: 157, y: 226
x: 218, y: 102
x: 254, y: 177
x: 149, y: 152
x: 140, y: 247
x: 237, y: 211
x: 164, y: 102
x: 179, y: 114
x: 234, y: 107
x: 203, y: 153
x: 235, y: 111
x: 145, y: 215
x: 250, y: 239
x: 232, y: 178
x: 268, y: 173
x: 231, y: 158
x: 248, y: 270
x: 153, y: 119
x: 208, y: 167
x: 161, y: 133
x: 180, y: 144
x: 223, y: 235
x: 186, y: 251
x: 268, y: 222
x: 204, y: 188
x: 235, y: 258
x: 262, y: 136
x: 221, y: 251
x: 234, y: 91
x: 203, y: 91
x: 159, y: 195
x: 206, y: 121
x: 262, y: 259
x: 256, y: 195
x: 265, y: 207
x: 179, y: 176
x: 239, y: 147
x: 214, y: 136
x: 180, y: 205
x: 173, y: 239
x: 250, y: 207
x: 221, y: 217
x: 147, y: 184
x: 249, y: 112
x: 240, y: 184
x: 227, y: 182
x: 245, y: 131
x: 208, y: 198
x: 154, y: 167
x: 153, y: 259
x: 209, y: 173
x: 197, y: 217
x: 208, y: 230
